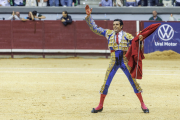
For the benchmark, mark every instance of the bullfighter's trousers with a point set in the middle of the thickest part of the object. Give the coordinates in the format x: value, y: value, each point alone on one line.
x: 118, y: 60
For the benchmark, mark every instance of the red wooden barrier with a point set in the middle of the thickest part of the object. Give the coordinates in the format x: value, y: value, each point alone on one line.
x: 27, y: 35
x: 54, y: 35
x: 86, y: 39
x: 5, y: 35
x: 58, y: 36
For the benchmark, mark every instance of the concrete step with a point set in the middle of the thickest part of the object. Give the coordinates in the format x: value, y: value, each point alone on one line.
x: 92, y: 0
x: 89, y: 2
x: 84, y: 5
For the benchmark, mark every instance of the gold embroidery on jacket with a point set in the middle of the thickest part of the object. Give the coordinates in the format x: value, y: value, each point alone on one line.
x: 123, y: 44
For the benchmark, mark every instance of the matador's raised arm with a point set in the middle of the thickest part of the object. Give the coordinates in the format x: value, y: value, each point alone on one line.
x: 98, y: 30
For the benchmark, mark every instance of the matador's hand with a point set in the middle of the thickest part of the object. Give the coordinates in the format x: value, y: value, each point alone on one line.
x: 88, y: 10
x: 140, y: 37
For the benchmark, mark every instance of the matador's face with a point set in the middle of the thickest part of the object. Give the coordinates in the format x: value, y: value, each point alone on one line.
x: 116, y: 26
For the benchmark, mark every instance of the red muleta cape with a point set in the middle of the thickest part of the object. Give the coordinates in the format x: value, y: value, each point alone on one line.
x: 132, y: 53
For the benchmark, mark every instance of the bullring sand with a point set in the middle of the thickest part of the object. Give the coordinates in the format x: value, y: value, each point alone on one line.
x: 67, y: 89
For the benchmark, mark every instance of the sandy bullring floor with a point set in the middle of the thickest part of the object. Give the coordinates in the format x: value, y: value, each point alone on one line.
x: 63, y: 89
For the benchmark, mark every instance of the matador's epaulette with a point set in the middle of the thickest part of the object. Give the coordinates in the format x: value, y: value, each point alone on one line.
x: 129, y: 36
x: 109, y: 32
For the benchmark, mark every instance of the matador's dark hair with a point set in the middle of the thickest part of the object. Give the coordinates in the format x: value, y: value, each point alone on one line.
x: 120, y: 21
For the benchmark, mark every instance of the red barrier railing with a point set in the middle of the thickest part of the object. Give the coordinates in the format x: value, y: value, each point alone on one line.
x: 86, y: 39
x: 5, y: 34
x: 57, y: 36
x: 27, y: 35
x: 54, y: 35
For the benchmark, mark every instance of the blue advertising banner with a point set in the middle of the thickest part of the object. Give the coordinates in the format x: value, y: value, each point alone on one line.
x: 166, y: 37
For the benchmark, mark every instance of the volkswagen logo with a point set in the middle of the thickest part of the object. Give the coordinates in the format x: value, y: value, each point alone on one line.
x: 165, y: 32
